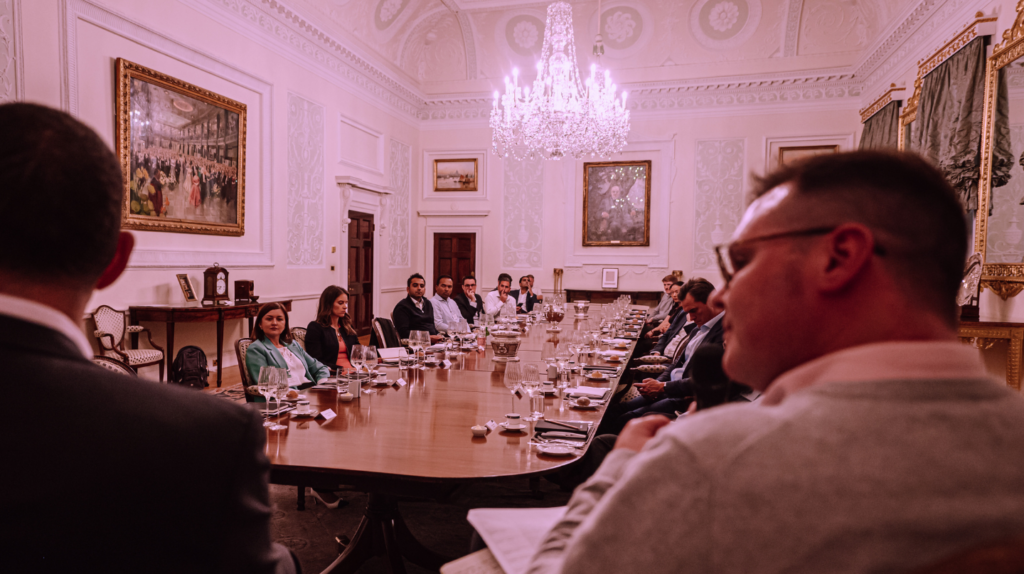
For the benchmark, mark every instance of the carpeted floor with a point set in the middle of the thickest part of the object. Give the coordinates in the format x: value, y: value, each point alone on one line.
x: 440, y: 527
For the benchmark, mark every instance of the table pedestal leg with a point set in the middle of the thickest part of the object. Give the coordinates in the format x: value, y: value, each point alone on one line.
x: 170, y: 348
x: 382, y: 531
x: 220, y: 346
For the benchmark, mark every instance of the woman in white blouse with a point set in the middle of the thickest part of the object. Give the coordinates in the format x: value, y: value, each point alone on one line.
x: 274, y: 346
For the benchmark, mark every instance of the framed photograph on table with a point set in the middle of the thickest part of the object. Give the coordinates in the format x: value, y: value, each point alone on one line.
x: 610, y: 278
x: 182, y: 151
x: 455, y: 175
x: 187, y: 289
x: 617, y: 203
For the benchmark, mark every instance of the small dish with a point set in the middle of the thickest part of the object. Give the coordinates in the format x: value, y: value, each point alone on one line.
x: 597, y: 376
x: 506, y: 426
x: 381, y: 382
x: 556, y: 450
x: 346, y: 397
x: 592, y: 406
x: 309, y: 414
x: 479, y: 430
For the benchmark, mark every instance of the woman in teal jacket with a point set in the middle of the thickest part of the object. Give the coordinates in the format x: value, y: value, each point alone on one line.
x: 273, y: 346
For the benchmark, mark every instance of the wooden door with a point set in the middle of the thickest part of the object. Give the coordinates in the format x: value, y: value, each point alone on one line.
x: 360, y: 271
x: 455, y: 255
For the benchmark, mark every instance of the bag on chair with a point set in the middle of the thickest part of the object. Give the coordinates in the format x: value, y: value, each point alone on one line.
x: 189, y: 368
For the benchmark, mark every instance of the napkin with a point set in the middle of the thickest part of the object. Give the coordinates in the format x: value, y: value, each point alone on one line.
x: 587, y: 392
x: 613, y: 352
x: 616, y: 341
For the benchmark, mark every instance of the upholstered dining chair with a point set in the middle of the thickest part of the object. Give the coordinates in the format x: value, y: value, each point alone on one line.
x: 111, y: 327
x: 387, y: 335
x: 299, y: 334
x: 241, y: 347
x: 114, y: 365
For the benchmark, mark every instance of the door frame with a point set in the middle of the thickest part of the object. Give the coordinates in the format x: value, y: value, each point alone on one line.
x: 365, y: 197
x: 428, y: 244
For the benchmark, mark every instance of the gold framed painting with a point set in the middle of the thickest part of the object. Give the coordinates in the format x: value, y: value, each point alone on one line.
x: 188, y: 290
x: 455, y: 175
x: 182, y: 151
x: 617, y: 203
x: 788, y: 155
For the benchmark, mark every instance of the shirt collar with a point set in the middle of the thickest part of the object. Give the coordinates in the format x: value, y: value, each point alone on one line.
x: 711, y: 323
x: 892, y: 360
x: 46, y: 316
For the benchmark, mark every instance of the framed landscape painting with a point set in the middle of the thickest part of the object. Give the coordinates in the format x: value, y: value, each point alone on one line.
x: 788, y: 155
x: 182, y: 151
x: 617, y: 203
x: 455, y: 175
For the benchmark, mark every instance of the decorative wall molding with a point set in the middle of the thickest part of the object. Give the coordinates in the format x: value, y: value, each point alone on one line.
x: 893, y: 93
x: 400, y: 205
x: 305, y: 183
x: 12, y: 58
x: 352, y: 127
x: 522, y: 229
x: 792, y: 36
x: 73, y: 11
x: 719, y: 171
x: 453, y: 213
x: 349, y: 187
x: 772, y: 145
x: 467, y: 37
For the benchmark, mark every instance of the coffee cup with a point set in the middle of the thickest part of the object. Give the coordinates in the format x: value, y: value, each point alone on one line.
x: 302, y: 408
x: 513, y: 420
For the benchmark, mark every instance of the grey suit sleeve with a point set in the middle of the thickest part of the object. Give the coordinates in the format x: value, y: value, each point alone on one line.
x: 245, y: 544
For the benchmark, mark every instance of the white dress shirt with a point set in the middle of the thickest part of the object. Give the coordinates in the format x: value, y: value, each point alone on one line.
x: 446, y: 313
x: 32, y: 312
x: 493, y: 304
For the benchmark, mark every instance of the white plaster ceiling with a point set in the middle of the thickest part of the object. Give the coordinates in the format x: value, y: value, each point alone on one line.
x: 463, y: 46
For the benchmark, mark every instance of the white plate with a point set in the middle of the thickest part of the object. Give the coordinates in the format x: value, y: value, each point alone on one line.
x: 505, y: 426
x: 557, y: 450
x: 591, y: 377
x: 310, y: 414
x: 381, y: 382
x: 589, y: 407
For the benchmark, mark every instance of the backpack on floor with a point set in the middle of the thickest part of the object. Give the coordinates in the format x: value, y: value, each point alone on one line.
x: 189, y: 368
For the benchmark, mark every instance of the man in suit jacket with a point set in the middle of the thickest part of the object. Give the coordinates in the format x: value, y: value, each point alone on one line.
x: 524, y: 297
x: 415, y: 313
x: 115, y: 474
x: 469, y: 301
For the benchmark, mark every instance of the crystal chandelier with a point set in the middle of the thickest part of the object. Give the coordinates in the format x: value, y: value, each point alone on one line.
x: 560, y: 115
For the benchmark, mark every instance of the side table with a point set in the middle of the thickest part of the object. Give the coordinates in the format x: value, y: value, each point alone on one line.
x: 170, y: 315
x: 984, y: 334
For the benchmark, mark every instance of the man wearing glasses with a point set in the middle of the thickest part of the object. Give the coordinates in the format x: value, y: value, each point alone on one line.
x: 880, y: 444
x: 470, y: 303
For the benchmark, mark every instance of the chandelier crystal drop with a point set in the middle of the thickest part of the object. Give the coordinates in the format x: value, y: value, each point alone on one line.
x: 560, y: 115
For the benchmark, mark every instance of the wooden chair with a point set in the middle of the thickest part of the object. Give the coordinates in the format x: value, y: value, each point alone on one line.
x: 114, y: 365
x: 241, y: 346
x: 299, y: 334
x: 111, y: 327
x: 387, y: 335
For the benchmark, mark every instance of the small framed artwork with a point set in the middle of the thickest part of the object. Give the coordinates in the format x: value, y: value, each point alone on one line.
x: 182, y: 151
x: 610, y: 278
x: 617, y: 203
x: 455, y: 174
x: 187, y: 289
x: 788, y: 155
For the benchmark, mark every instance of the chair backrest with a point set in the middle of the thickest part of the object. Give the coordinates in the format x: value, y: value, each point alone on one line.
x: 109, y: 320
x: 387, y: 335
x: 114, y: 365
x: 241, y: 347
x: 299, y: 334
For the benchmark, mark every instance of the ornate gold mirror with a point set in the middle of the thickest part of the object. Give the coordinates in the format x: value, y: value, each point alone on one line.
x: 908, y: 115
x: 998, y: 228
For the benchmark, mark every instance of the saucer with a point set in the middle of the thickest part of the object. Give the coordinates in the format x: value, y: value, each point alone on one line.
x: 554, y: 329
x: 557, y: 450
x: 506, y: 426
x: 593, y: 376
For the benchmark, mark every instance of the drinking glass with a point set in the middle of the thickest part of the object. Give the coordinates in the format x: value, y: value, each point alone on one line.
x: 513, y: 378
x: 531, y: 383
x: 416, y: 343
x: 356, y: 357
x: 280, y: 384
x: 370, y: 358
x: 263, y: 387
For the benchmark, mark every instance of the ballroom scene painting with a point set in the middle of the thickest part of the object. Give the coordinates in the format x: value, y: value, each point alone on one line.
x: 616, y: 203
x: 185, y: 155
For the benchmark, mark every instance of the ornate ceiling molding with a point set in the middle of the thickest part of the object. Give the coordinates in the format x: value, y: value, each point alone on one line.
x: 792, y: 37
x: 468, y: 39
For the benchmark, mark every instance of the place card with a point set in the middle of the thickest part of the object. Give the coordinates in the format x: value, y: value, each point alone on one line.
x: 491, y: 425
x: 519, y: 394
x: 327, y: 415
x: 401, y: 382
x: 446, y: 364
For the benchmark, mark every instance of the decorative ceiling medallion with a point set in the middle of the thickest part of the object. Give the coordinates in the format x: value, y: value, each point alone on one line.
x: 724, y: 24
x: 387, y: 12
x: 625, y: 28
x: 524, y: 34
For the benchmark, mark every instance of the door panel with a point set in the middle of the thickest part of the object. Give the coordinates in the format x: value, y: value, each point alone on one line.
x: 360, y: 271
x: 455, y: 255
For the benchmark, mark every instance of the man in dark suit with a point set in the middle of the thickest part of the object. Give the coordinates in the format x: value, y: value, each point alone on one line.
x: 415, y: 313
x: 524, y: 297
x: 114, y: 474
x: 673, y: 390
x: 469, y: 301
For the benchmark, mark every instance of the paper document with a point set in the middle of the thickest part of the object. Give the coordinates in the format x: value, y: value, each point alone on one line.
x: 588, y: 392
x: 513, y: 535
x: 392, y: 353
x: 479, y: 562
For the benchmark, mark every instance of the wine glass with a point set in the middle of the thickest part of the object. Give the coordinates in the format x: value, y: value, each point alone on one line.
x: 263, y: 387
x: 370, y: 358
x: 531, y: 382
x: 513, y: 378
x: 562, y: 357
x: 281, y: 388
x: 356, y: 357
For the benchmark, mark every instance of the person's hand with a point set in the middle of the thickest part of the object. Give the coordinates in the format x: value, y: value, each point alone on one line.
x: 655, y: 354
x: 503, y: 297
x: 436, y: 338
x: 639, y: 431
x: 651, y: 388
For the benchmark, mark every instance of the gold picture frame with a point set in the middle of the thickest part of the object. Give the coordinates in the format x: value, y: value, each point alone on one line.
x: 182, y: 151
x: 798, y: 152
x: 456, y: 175
x: 611, y: 215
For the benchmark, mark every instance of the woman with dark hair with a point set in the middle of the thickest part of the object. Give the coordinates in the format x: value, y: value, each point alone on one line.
x: 273, y: 346
x: 330, y: 338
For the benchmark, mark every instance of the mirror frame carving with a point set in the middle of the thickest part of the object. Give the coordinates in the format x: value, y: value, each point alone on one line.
x: 1004, y: 279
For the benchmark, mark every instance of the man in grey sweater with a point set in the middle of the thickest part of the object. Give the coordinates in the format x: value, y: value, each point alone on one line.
x: 880, y: 443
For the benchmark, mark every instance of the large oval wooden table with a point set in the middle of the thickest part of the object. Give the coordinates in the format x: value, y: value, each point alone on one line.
x: 415, y: 440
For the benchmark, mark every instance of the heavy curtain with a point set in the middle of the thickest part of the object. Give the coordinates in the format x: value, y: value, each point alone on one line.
x: 949, y: 115
x: 881, y: 131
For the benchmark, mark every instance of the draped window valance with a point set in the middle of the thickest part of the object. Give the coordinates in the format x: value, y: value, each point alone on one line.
x: 882, y: 130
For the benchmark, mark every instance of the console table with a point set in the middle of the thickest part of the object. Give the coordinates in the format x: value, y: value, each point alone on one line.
x: 984, y: 334
x: 170, y: 315
x: 601, y: 296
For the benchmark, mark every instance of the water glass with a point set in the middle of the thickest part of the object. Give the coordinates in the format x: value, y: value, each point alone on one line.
x: 370, y: 357
x: 281, y: 388
x: 263, y: 386
x: 531, y: 383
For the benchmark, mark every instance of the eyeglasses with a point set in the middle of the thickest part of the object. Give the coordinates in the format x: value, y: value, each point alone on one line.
x: 730, y: 263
